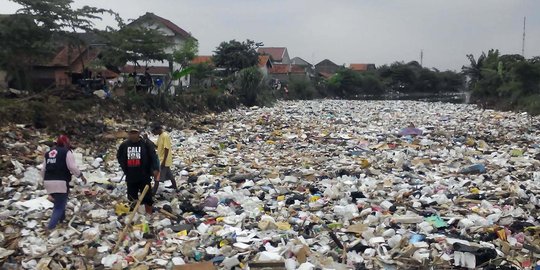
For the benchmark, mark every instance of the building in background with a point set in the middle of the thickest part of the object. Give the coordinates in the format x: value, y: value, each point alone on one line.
x: 310, y: 69
x: 265, y: 64
x: 362, y: 67
x: 284, y: 73
x: 326, y: 68
x: 278, y: 55
x: 176, y: 35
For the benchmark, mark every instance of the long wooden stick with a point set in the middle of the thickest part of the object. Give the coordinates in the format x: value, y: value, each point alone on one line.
x: 49, y: 250
x: 71, y: 227
x: 130, y: 218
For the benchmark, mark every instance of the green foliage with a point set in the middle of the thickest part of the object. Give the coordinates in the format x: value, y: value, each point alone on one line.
x: 189, y: 50
x: 235, y: 55
x: 38, y: 27
x: 195, y: 100
x: 505, y: 81
x: 22, y: 43
x: 345, y: 83
x: 217, y: 101
x: 301, y: 89
x: 200, y: 73
x: 404, y: 78
x: 59, y: 16
x: 248, y: 85
x: 251, y: 88
x: 132, y: 43
x: 372, y: 84
x: 413, y: 78
x: 530, y: 104
x: 182, y: 73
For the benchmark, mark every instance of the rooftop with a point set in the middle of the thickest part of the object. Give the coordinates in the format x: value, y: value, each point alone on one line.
x: 361, y: 67
x: 202, y: 59
x: 276, y: 53
x: 175, y: 28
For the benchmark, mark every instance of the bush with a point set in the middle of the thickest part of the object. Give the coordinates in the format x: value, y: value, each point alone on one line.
x: 301, y: 89
x: 345, y: 84
x: 251, y: 88
x: 135, y: 101
x: 505, y: 82
x: 530, y: 104
x: 372, y: 85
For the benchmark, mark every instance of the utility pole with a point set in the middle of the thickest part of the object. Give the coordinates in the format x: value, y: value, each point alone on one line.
x: 523, y: 42
x: 422, y: 57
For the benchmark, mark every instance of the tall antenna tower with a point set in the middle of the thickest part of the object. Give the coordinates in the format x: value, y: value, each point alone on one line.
x: 523, y: 42
x: 422, y: 57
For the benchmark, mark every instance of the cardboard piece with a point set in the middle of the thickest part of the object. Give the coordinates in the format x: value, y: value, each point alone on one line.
x: 357, y: 228
x: 302, y: 254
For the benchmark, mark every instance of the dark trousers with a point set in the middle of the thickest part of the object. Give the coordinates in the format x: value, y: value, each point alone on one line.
x: 166, y: 174
x: 134, y: 187
x: 59, y: 209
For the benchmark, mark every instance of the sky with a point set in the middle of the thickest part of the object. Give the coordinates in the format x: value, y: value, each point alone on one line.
x: 349, y: 31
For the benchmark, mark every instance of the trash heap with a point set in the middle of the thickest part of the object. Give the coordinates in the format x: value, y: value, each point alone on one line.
x: 304, y: 185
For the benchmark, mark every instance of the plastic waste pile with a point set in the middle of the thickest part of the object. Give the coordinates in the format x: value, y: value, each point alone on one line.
x: 304, y: 185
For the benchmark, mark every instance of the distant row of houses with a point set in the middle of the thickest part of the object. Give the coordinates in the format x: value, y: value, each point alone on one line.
x: 70, y: 64
x: 275, y: 62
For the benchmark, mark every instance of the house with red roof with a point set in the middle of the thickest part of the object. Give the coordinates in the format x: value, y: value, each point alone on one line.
x: 326, y: 68
x: 265, y: 64
x: 202, y: 59
x: 278, y: 55
x: 362, y: 67
x: 287, y: 72
x: 69, y: 64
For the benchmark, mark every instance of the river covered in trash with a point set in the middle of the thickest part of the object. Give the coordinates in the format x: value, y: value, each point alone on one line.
x: 319, y: 184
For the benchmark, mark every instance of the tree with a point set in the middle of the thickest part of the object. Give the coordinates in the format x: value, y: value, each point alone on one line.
x: 183, y: 56
x: 528, y: 76
x: 201, y: 72
x: 506, y: 81
x: 134, y: 44
x: 189, y: 50
x: 474, y: 70
x: 345, y: 83
x: 301, y: 89
x: 59, y: 15
x: 450, y: 81
x: 29, y: 36
x: 399, y: 77
x: 235, y: 55
x: 250, y: 85
x: 22, y: 44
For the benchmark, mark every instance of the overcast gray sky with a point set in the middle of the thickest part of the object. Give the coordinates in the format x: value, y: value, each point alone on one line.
x: 350, y: 31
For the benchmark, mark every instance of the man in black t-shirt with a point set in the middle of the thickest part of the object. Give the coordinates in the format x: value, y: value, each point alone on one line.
x: 139, y: 161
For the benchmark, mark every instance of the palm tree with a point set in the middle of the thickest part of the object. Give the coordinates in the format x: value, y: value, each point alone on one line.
x: 474, y: 70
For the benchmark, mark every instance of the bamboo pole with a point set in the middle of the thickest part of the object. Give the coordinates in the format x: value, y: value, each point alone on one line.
x: 130, y: 219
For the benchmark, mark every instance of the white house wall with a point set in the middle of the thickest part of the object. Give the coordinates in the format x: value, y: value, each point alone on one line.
x: 178, y: 43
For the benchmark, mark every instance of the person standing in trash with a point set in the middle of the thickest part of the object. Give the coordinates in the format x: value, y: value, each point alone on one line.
x: 58, y: 167
x: 138, y: 160
x: 164, y: 149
